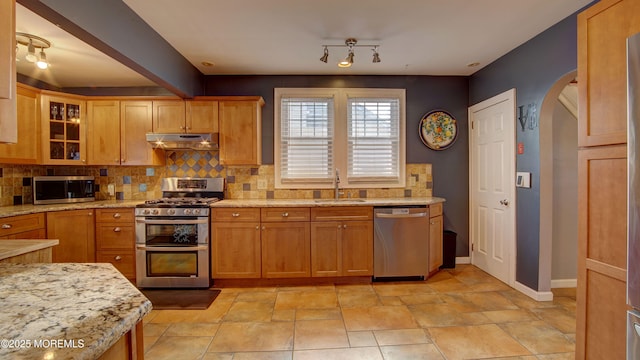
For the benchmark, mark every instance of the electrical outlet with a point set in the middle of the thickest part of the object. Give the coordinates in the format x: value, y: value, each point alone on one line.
x: 262, y: 184
x: 111, y: 188
x: 412, y: 181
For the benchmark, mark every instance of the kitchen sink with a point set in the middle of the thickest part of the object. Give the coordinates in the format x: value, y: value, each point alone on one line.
x: 338, y: 200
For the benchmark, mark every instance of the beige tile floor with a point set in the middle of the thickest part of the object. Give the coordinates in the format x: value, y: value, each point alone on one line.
x: 460, y: 313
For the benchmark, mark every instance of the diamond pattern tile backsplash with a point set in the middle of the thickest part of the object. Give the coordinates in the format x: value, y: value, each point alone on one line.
x: 243, y: 182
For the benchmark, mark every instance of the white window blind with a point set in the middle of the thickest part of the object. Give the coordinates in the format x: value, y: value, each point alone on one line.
x: 373, y: 139
x: 306, y: 139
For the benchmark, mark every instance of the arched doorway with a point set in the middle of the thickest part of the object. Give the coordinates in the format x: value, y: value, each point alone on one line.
x: 558, y: 187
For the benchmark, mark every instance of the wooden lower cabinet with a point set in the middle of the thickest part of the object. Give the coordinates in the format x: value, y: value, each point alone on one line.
x: 235, y: 250
x: 286, y: 250
x: 235, y: 243
x: 75, y: 229
x: 342, y: 248
x: 602, y: 253
x: 115, y: 239
x: 435, y: 243
x: 31, y: 226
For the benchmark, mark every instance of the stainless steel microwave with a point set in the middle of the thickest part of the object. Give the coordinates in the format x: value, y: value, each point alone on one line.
x: 63, y: 189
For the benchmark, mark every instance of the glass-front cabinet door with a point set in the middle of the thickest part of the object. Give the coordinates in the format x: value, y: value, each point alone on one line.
x: 63, y: 130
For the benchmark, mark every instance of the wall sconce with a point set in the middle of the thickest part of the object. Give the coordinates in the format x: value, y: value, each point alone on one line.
x: 33, y: 42
x: 350, y: 44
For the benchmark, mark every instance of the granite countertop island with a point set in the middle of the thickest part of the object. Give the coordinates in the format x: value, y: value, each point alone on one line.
x: 65, y: 311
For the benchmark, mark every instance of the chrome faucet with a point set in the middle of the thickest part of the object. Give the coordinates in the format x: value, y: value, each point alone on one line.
x: 337, y: 183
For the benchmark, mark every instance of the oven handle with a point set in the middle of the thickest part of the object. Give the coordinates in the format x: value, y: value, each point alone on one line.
x: 171, y: 249
x: 173, y: 222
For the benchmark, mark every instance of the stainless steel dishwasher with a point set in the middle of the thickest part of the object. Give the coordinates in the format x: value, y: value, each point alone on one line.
x: 401, y: 243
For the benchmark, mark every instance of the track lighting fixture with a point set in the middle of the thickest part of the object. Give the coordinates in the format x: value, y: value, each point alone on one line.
x: 350, y: 44
x: 33, y: 42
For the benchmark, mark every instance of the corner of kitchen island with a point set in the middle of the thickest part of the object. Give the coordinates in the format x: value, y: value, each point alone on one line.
x: 70, y: 311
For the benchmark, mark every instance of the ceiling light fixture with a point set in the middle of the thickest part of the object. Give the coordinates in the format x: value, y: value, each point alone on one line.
x: 33, y: 42
x: 350, y: 44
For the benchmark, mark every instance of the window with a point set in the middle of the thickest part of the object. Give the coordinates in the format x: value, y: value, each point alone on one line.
x: 359, y: 132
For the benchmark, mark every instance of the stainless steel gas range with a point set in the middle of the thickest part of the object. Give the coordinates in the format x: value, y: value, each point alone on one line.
x: 172, y: 234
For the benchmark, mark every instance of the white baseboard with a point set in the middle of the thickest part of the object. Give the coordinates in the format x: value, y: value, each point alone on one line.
x: 463, y: 260
x: 564, y: 283
x: 535, y: 295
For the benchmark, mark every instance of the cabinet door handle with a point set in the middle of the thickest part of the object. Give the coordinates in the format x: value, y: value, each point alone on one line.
x: 344, y: 226
x: 6, y: 226
x: 235, y: 214
x: 285, y: 214
x: 116, y: 229
x: 90, y: 214
x: 338, y: 227
x: 263, y: 227
x: 117, y: 215
x: 257, y: 227
x: 117, y: 258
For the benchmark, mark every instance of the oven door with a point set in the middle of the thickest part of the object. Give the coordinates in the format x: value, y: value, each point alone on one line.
x: 186, y: 266
x: 167, y: 231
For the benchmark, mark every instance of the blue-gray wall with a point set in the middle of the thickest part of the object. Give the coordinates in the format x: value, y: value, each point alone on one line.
x: 531, y: 69
x: 423, y: 94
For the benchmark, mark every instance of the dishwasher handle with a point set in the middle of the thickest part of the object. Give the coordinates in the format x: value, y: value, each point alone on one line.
x: 400, y: 216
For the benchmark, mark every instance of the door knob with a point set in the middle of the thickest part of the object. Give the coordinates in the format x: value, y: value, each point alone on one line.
x: 504, y: 202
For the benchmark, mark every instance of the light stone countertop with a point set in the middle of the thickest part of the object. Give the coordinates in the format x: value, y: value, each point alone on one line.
x: 11, y: 248
x: 7, y: 211
x: 89, y: 305
x: 327, y: 202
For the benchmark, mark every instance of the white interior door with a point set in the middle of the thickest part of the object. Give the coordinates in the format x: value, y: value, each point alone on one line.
x: 492, y: 185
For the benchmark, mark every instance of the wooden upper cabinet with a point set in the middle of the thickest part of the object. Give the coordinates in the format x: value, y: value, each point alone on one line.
x: 201, y: 116
x: 602, y: 74
x: 103, y: 132
x: 168, y: 116
x: 8, y: 123
x: 116, y: 133
x: 241, y: 132
x: 27, y: 149
x: 185, y: 116
x: 136, y: 120
x: 63, y: 129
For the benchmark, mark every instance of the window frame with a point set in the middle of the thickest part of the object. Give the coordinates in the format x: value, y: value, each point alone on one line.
x: 340, y: 137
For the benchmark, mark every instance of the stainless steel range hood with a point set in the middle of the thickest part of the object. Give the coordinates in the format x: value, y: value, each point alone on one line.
x: 201, y: 141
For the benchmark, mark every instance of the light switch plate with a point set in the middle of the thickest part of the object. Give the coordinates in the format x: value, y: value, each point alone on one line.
x: 523, y: 179
x: 111, y: 188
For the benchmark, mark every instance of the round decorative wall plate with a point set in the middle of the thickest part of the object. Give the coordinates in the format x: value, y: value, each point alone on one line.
x: 438, y: 130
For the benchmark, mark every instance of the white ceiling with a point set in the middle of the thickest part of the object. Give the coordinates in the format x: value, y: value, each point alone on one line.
x: 284, y: 37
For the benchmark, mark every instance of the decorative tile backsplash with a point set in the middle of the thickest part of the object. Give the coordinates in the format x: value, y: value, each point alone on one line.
x: 243, y: 182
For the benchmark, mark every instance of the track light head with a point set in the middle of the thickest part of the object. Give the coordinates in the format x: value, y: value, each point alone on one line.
x: 325, y: 57
x: 376, y: 56
x: 31, y: 52
x: 42, y: 63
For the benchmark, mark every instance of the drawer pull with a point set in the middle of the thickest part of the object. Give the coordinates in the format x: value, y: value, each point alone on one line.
x: 117, y: 215
x: 117, y: 258
x: 235, y: 214
x: 6, y: 226
x: 285, y: 214
x: 117, y: 229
